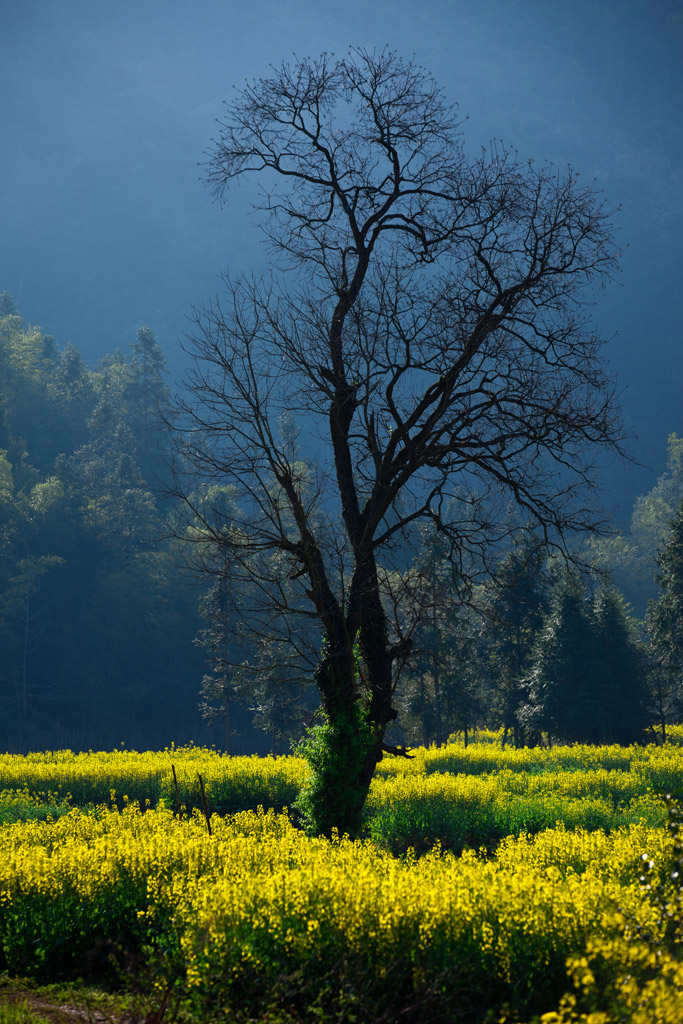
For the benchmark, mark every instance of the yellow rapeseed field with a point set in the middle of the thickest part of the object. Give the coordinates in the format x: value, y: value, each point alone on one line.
x: 259, y: 918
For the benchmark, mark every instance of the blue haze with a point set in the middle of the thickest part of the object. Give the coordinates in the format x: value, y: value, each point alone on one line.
x: 107, y: 108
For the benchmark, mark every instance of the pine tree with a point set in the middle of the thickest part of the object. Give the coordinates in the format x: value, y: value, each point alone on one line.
x: 514, y: 607
x: 620, y: 683
x: 147, y: 399
x: 559, y: 697
x: 588, y: 682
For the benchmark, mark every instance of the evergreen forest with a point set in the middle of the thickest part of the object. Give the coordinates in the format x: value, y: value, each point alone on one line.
x: 96, y: 619
x: 111, y: 637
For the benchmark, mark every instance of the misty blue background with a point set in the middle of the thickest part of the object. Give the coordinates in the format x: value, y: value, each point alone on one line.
x: 106, y: 111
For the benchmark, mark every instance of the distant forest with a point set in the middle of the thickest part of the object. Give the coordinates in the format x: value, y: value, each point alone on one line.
x: 108, y: 639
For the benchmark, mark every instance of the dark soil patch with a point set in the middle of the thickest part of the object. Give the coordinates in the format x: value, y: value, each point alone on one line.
x: 66, y: 1007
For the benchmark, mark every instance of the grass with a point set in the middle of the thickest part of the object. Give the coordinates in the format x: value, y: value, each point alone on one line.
x: 24, y: 1002
x: 22, y: 805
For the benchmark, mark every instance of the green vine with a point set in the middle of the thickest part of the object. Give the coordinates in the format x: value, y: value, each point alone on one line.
x: 336, y: 750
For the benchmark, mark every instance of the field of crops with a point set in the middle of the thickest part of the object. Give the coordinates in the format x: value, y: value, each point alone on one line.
x: 492, y: 885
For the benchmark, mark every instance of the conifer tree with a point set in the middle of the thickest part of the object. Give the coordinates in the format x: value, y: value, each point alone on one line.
x: 588, y: 682
x: 559, y: 699
x: 619, y: 681
x: 515, y: 605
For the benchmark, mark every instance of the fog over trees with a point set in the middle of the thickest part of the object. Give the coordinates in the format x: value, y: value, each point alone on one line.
x: 107, y: 111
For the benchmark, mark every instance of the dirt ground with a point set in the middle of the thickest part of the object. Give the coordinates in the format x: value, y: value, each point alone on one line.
x: 63, y: 1008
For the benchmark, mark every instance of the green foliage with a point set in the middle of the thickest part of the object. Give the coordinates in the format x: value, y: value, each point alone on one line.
x: 19, y: 1012
x: 337, y: 751
x: 96, y: 628
x: 481, y: 821
x: 7, y: 305
x: 258, y: 673
x: 564, y: 648
x: 664, y: 622
x: 439, y: 690
x: 259, y: 649
x: 514, y: 606
x: 22, y: 805
x: 587, y: 683
x: 619, y: 677
x: 631, y: 558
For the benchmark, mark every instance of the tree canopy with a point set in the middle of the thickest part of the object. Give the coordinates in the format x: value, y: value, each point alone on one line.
x: 631, y: 558
x: 587, y: 681
x: 96, y: 627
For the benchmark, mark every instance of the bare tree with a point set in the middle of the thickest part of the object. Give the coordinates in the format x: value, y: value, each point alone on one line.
x: 425, y: 322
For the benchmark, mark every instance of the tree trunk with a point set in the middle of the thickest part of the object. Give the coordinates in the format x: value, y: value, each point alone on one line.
x: 344, y: 752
